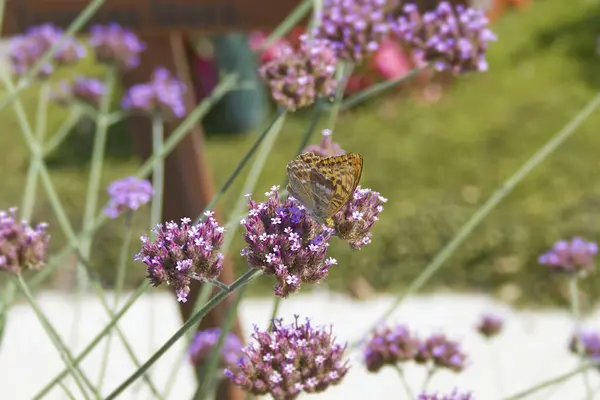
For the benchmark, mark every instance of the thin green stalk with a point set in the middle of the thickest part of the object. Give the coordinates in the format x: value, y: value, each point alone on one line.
x: 67, y: 357
x: 97, y: 339
x: 287, y: 24
x: 405, y: 383
x: 158, y: 171
x: 430, y: 372
x: 554, y: 381
x: 189, y: 324
x: 378, y: 88
x: 29, y: 196
x: 274, y: 312
x: 77, y: 24
x: 540, y: 155
x: 317, y: 15
x: 67, y: 391
x: 208, y: 382
x: 63, y: 132
x: 342, y: 75
x: 574, y: 294
x: 119, y: 283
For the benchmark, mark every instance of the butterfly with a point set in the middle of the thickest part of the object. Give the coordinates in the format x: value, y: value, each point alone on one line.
x: 324, y: 184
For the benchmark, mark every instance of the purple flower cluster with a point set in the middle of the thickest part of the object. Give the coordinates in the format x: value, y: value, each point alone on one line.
x: 21, y: 246
x: 284, y: 241
x: 86, y: 90
x: 354, y: 221
x: 289, y: 360
x: 390, y: 346
x: 490, y: 325
x: 28, y: 48
x: 326, y: 148
x: 455, y: 395
x: 297, y: 77
x: 450, y: 37
x: 576, y: 256
x: 204, y: 341
x: 586, y: 343
x: 115, y: 45
x: 127, y: 194
x: 182, y: 253
x: 163, y: 95
x: 441, y: 352
x: 354, y: 28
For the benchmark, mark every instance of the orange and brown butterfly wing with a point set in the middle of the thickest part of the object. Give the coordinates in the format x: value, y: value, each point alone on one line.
x: 344, y: 174
x: 298, y: 172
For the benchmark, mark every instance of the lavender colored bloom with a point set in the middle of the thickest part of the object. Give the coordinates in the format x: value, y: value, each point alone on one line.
x: 586, y: 343
x: 162, y: 95
x: 289, y: 360
x: 127, y: 194
x: 355, y: 28
x: 441, y: 352
x: 455, y: 395
x: 576, y: 256
x: 116, y: 45
x: 490, y: 325
x: 326, y: 148
x: 86, y: 90
x: 182, y: 253
x: 354, y: 221
x: 282, y: 240
x: 390, y: 346
x: 21, y: 246
x: 204, y: 341
x: 450, y: 37
x: 28, y: 48
x: 297, y: 78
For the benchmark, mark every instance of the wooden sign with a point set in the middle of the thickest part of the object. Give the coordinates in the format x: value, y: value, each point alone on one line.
x: 152, y: 16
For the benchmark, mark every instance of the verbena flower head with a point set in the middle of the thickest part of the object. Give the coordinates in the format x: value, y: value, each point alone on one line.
x: 576, y: 256
x: 21, y: 246
x: 127, y: 194
x: 284, y: 241
x: 586, y: 343
x: 290, y: 360
x: 452, y: 38
x: 116, y: 45
x: 354, y: 221
x: 182, y: 252
x: 204, y: 341
x: 355, y: 28
x: 455, y: 395
x: 326, y: 148
x: 490, y: 325
x: 27, y: 49
x: 390, y: 346
x: 297, y: 77
x: 440, y: 352
x: 163, y: 95
x: 86, y: 90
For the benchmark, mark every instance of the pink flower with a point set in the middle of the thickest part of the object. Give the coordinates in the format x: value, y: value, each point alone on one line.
x: 390, y: 61
x: 256, y: 40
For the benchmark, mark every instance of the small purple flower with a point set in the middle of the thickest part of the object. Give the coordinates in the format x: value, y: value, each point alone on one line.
x: 490, y: 325
x: 21, y: 246
x: 204, y: 341
x: 289, y: 360
x: 441, y: 352
x: 297, y: 78
x: 390, y: 346
x: 86, y: 90
x: 182, y: 253
x: 354, y: 221
x: 116, y: 45
x: 127, y: 194
x: 455, y: 395
x: 326, y: 148
x: 450, y: 37
x: 27, y: 49
x: 282, y: 240
x: 586, y: 343
x: 355, y: 28
x: 162, y: 95
x: 576, y: 256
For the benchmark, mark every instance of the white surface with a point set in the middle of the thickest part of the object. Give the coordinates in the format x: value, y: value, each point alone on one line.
x: 532, y: 348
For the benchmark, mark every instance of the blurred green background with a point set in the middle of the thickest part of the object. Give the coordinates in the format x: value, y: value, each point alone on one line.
x: 435, y: 163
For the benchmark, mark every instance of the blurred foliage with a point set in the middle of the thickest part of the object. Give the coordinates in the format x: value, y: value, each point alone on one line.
x: 435, y: 163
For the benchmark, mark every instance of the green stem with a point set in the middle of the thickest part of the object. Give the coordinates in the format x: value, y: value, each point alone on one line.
x: 430, y: 372
x: 97, y: 339
x: 342, y: 75
x: 575, y: 310
x: 77, y: 374
x: 158, y: 171
x: 189, y: 324
x: 274, y: 312
x: 67, y: 391
x: 287, y: 24
x: 500, y: 194
x: 405, y: 384
x: 63, y: 132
